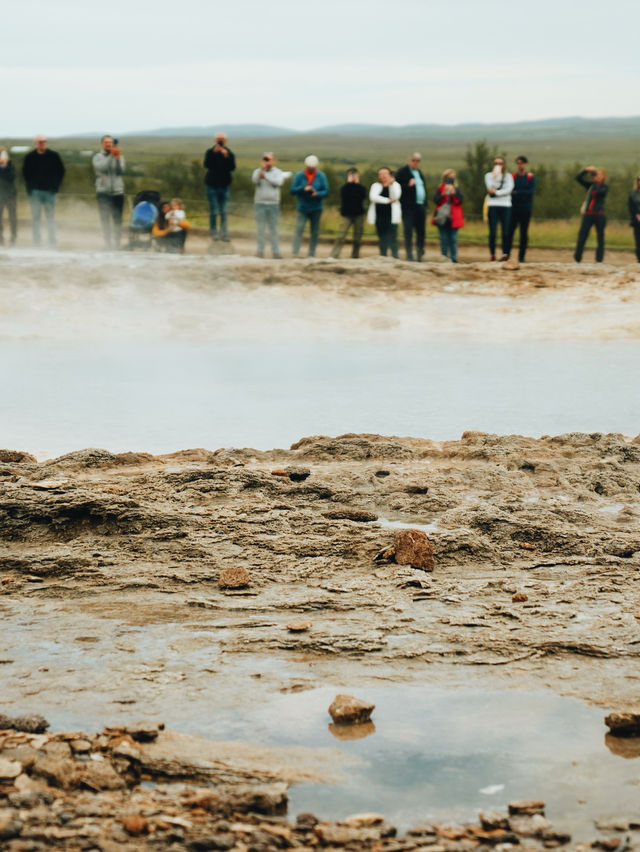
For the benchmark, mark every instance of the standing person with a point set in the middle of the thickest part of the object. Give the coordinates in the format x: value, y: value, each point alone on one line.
x: 109, y: 166
x: 220, y: 163
x: 43, y: 170
x: 448, y: 219
x: 634, y: 213
x: 310, y: 186
x: 268, y: 179
x: 524, y: 187
x: 593, y: 214
x: 414, y: 205
x: 352, y: 197
x: 499, y: 184
x: 8, y: 196
x: 385, y: 211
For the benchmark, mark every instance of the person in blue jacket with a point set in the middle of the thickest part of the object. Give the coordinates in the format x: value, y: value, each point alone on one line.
x: 524, y: 187
x: 310, y: 186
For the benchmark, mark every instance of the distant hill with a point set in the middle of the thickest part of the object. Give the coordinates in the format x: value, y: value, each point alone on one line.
x: 552, y: 128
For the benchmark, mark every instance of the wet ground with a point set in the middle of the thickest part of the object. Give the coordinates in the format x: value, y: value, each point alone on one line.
x: 491, y: 674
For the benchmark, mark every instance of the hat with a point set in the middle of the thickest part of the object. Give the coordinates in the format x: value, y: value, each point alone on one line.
x: 311, y: 162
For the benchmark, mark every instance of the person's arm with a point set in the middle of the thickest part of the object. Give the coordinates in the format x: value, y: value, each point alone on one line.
x: 488, y: 181
x: 208, y: 159
x: 438, y: 196
x: 459, y: 195
x: 275, y: 177
x: 322, y: 190
x: 530, y: 187
x: 601, y: 190
x: 507, y: 186
x: 255, y: 177
x: 298, y: 184
x: 231, y: 161
x: 395, y: 191
x: 183, y: 223
x: 26, y: 172
x: 120, y: 165
x: 403, y: 176
x: 60, y: 171
x: 157, y: 231
x: 376, y: 197
x: 582, y: 180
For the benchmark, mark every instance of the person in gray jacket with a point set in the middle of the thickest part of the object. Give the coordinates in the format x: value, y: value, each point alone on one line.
x: 109, y: 166
x: 268, y: 179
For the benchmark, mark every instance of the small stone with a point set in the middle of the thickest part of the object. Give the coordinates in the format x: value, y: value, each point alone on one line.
x: 135, y: 824
x: 623, y: 724
x: 279, y: 472
x: 9, y: 769
x: 306, y: 820
x: 525, y: 545
x: 609, y: 844
x: 362, y: 820
x: 10, y: 825
x: 80, y: 746
x: 519, y: 597
x: 33, y: 724
x: 493, y: 819
x: 297, y: 474
x: 527, y: 807
x: 335, y: 835
x: 358, y: 515
x: 299, y: 626
x: 412, y: 547
x: 347, y: 710
x: 529, y: 825
x: 234, y: 578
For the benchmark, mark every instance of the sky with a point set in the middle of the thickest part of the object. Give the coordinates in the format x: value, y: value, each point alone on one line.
x: 72, y: 67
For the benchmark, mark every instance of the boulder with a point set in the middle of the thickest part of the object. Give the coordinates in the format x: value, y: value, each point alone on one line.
x: 623, y: 724
x: 526, y: 807
x: 347, y: 710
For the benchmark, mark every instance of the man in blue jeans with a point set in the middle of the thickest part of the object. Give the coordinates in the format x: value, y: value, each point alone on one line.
x: 43, y: 171
x: 310, y: 186
x: 219, y: 162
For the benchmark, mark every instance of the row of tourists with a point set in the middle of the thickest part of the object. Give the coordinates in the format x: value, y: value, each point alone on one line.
x: 396, y: 198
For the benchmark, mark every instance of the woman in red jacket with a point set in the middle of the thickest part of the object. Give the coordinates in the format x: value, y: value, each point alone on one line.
x: 448, y: 214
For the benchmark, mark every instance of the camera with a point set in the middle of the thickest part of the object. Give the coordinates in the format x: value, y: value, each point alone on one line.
x: 449, y: 180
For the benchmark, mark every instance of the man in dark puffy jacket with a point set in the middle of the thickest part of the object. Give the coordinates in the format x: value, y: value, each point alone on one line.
x: 43, y: 171
x: 524, y: 187
x: 219, y: 162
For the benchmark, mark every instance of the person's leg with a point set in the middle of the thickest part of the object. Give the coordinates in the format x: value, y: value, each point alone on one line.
x: 407, y: 227
x: 12, y: 207
x: 358, y: 227
x: 505, y: 217
x: 420, y: 224
x: 212, y: 198
x: 393, y: 240
x: 314, y: 220
x: 49, y: 212
x: 453, y: 243
x: 117, y: 206
x: 345, y: 224
x: 382, y: 238
x: 600, y: 224
x: 36, y: 211
x: 493, y: 226
x: 223, y: 204
x: 443, y: 240
x: 583, y: 233
x: 301, y: 219
x: 261, y: 221
x: 525, y: 218
x: 3, y: 204
x: 636, y: 234
x: 513, y: 224
x: 104, y: 209
x: 273, y: 214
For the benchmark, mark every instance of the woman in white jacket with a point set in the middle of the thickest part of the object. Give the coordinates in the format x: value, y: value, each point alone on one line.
x: 499, y: 184
x: 385, y: 211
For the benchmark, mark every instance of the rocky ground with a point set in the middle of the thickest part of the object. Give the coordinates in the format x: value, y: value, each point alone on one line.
x: 527, y: 576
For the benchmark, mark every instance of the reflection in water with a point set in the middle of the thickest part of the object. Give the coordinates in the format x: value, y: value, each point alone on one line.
x: 352, y: 732
x: 627, y: 747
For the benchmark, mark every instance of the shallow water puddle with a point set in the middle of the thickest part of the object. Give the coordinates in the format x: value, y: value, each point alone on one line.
x: 404, y: 524
x: 442, y: 754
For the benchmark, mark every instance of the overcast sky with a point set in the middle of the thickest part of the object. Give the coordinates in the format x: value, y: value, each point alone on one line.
x: 71, y: 66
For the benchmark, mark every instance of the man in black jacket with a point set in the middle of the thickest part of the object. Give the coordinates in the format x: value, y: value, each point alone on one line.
x: 219, y: 163
x: 43, y: 171
x: 352, y: 198
x: 414, y: 205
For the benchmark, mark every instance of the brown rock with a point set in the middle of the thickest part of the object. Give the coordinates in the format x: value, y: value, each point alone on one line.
x: 623, y: 724
x: 279, y: 472
x: 362, y: 820
x: 99, y: 775
x: 297, y: 474
x: 335, y: 835
x: 17, y: 457
x: 527, y: 807
x: 493, y: 819
x: 135, y: 824
x: 358, y: 515
x: 58, y: 772
x: 347, y: 710
x: 610, y: 844
x: 519, y: 597
x: 234, y: 578
x: 529, y: 825
x: 29, y: 724
x: 10, y: 825
x: 80, y: 746
x: 299, y: 626
x: 412, y: 547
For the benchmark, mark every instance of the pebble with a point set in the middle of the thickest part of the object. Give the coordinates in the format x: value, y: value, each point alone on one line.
x: 234, y: 578
x: 347, y: 710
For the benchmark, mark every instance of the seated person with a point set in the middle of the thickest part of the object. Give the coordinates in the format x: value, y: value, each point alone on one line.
x: 170, y: 229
